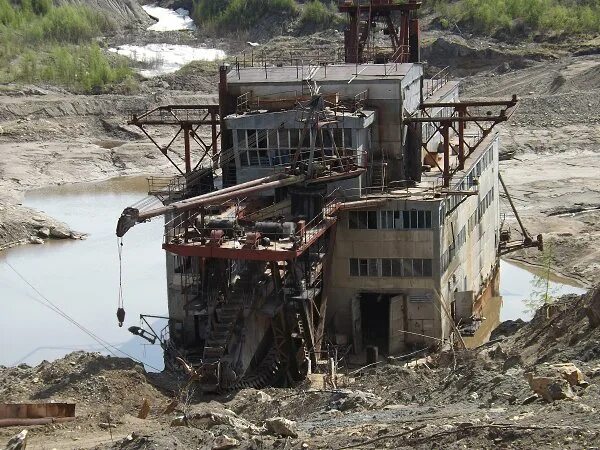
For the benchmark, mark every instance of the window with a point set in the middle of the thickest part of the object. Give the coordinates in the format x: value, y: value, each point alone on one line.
x: 362, y: 220
x: 391, y: 220
x: 362, y: 267
x: 406, y: 267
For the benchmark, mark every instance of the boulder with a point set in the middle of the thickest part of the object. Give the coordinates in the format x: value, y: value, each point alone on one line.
x: 18, y: 442
x: 355, y: 400
x: 210, y: 419
x: 593, y: 310
x: 60, y: 233
x: 35, y: 240
x: 280, y: 426
x: 550, y: 388
x: 569, y: 372
x: 44, y: 232
x: 224, y: 442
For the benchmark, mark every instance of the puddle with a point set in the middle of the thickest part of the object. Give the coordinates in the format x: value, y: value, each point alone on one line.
x: 166, y: 58
x: 169, y: 20
x: 82, y: 277
x: 516, y: 287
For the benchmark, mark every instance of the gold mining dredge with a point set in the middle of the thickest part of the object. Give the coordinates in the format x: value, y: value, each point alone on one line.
x: 346, y: 203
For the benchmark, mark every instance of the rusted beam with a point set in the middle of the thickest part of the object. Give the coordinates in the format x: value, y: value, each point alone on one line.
x: 496, y: 119
x: 446, y: 142
x: 461, y: 137
x: 187, y: 150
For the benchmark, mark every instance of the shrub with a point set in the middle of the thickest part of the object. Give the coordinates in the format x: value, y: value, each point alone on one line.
x: 239, y: 14
x: 317, y: 15
x: 489, y: 16
x: 7, y: 13
x: 74, y: 24
x: 40, y: 42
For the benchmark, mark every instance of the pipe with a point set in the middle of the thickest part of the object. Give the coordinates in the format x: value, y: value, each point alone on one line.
x: 131, y: 216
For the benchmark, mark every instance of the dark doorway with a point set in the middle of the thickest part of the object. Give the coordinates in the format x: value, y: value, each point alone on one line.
x: 375, y: 320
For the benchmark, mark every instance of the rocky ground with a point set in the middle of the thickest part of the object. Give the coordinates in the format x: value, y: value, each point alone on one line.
x: 534, y: 385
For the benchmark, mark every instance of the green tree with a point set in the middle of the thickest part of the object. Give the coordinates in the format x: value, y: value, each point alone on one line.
x: 542, y: 292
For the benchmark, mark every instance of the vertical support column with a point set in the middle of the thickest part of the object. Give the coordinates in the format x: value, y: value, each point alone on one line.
x: 414, y: 38
x: 446, y: 138
x: 461, y: 137
x: 187, y: 129
x: 215, y: 151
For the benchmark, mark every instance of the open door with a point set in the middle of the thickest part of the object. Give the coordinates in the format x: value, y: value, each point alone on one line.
x: 397, y: 325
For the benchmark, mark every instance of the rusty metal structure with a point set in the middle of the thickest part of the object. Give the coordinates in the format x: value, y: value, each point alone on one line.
x: 398, y: 21
x: 21, y: 414
x: 321, y: 207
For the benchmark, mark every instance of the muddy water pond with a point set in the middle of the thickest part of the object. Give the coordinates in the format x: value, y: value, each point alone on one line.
x: 82, y: 278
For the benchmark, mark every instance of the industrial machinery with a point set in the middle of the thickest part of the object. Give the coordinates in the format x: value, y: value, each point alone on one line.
x: 337, y: 204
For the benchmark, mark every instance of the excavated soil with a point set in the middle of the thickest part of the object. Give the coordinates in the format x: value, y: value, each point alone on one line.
x: 452, y: 399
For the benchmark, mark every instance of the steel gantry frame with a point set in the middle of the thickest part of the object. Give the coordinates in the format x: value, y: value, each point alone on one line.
x: 457, y: 121
x: 363, y: 16
x: 188, y: 119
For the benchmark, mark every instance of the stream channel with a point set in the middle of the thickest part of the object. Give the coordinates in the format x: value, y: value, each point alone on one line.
x: 165, y: 58
x: 82, y: 278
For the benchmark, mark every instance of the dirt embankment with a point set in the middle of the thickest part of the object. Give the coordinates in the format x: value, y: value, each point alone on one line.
x: 125, y: 14
x: 52, y: 137
x: 553, y: 179
x: 478, y: 398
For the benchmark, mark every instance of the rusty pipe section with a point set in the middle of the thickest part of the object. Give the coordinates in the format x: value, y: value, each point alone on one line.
x: 132, y: 216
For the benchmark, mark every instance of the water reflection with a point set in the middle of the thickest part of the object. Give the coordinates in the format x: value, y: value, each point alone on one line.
x: 516, y: 286
x: 81, y: 277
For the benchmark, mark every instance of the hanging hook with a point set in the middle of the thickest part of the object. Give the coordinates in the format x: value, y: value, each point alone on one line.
x: 120, y: 309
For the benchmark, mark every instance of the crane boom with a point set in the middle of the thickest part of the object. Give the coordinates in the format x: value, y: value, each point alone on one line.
x: 132, y: 216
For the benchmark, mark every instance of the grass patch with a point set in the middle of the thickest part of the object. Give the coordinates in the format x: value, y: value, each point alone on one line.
x: 318, y: 15
x: 40, y: 42
x: 523, y: 16
x: 239, y: 15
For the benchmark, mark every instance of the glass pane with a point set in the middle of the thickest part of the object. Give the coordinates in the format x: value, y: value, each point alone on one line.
x: 427, y: 269
x: 372, y: 217
x: 396, y: 267
x: 407, y: 267
x: 418, y: 267
x: 386, y: 267
x: 406, y: 219
x: 353, y: 267
x: 427, y: 219
x: 413, y: 219
x: 284, y: 139
x: 362, y: 220
x: 347, y: 138
x: 363, y: 267
x: 421, y: 215
x: 294, y: 138
x: 252, y: 138
x: 373, y: 272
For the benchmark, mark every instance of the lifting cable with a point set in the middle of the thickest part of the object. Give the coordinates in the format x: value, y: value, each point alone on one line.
x: 120, y: 309
x: 110, y: 348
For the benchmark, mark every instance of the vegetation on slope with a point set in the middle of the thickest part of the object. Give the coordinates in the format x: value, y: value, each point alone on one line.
x: 41, y: 42
x: 522, y: 16
x: 239, y: 15
x: 243, y: 15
